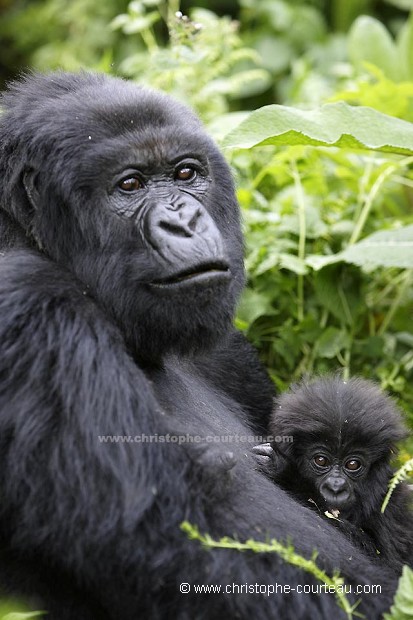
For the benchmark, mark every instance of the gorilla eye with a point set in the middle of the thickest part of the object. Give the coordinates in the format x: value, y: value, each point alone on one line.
x: 185, y: 173
x: 352, y: 465
x: 130, y: 184
x: 321, y: 461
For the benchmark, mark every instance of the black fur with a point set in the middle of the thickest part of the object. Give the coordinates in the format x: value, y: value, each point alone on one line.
x: 91, y: 344
x: 345, y: 422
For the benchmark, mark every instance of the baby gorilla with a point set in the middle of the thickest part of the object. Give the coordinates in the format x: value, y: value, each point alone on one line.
x: 332, y: 445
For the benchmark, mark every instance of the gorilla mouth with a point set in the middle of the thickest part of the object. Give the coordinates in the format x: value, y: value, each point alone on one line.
x: 337, y: 500
x: 200, y: 273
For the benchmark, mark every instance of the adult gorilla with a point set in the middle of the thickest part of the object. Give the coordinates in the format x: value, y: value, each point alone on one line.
x: 121, y: 265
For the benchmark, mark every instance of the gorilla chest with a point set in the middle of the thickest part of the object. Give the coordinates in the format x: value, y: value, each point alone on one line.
x: 193, y: 406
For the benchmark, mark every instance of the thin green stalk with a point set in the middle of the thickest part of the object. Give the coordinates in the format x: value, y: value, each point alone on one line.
x: 172, y: 7
x: 149, y: 39
x: 346, y: 307
x: 286, y: 552
x: 364, y: 182
x: 345, y: 362
x: 402, y: 181
x: 358, y: 229
x: 263, y: 173
x: 400, y: 475
x: 396, y: 302
x: 361, y: 221
x: 395, y: 282
x: 301, y: 237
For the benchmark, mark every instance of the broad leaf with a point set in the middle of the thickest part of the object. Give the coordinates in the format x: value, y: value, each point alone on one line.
x: 334, y: 124
x: 386, y: 248
x: 370, y: 41
x: 252, y: 305
x: 402, y: 608
x: 332, y: 342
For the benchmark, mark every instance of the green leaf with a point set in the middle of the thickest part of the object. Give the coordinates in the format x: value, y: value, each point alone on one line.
x: 369, y: 41
x: 332, y: 342
x: 338, y: 292
x: 405, y: 48
x: 293, y: 263
x: 138, y: 24
x: 401, y: 4
x: 253, y: 305
x: 386, y: 248
x: 276, y: 53
x: 334, y: 124
x: 402, y: 608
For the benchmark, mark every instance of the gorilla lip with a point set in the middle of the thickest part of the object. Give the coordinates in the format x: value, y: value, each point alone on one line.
x: 201, y: 273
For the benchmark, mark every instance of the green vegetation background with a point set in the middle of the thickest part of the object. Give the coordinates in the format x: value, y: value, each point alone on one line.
x: 329, y: 230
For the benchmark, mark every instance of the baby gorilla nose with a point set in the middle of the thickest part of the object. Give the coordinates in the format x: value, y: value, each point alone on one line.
x: 335, y: 484
x: 335, y: 492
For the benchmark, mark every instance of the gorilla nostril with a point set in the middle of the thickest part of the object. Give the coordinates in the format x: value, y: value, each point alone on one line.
x: 192, y: 224
x: 178, y: 230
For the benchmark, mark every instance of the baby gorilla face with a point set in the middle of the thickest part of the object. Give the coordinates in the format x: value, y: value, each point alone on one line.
x: 334, y: 478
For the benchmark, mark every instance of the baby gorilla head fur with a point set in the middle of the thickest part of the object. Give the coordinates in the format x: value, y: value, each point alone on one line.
x: 343, y: 435
x: 334, y: 442
x: 123, y: 187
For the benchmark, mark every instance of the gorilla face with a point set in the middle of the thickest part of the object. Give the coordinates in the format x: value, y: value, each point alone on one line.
x: 336, y: 476
x: 123, y: 187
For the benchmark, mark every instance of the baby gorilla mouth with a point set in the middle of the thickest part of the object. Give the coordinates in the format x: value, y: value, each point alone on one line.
x: 339, y: 500
x: 199, y: 273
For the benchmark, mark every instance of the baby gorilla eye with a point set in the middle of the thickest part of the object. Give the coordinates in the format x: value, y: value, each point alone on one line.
x: 352, y: 464
x: 130, y: 184
x: 321, y: 461
x: 185, y: 173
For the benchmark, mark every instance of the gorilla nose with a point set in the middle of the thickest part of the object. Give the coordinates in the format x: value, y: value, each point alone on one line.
x: 335, y: 484
x: 336, y: 492
x: 184, y: 236
x: 184, y: 222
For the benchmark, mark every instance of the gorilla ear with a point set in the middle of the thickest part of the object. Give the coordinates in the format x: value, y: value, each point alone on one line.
x: 29, y: 182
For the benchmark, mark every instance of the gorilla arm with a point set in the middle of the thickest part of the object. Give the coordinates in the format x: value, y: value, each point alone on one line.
x: 65, y: 377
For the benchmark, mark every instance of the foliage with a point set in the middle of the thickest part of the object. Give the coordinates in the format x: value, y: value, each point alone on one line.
x: 15, y: 615
x: 333, y: 125
x: 285, y: 551
x: 401, y: 474
x: 54, y: 34
x: 281, y: 30
x: 204, y: 60
x: 402, y: 608
x: 330, y: 244
x: 10, y: 610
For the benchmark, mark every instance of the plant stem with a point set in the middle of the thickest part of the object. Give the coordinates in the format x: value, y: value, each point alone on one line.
x: 301, y: 237
x: 286, y: 552
x: 396, y: 302
x: 358, y: 229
